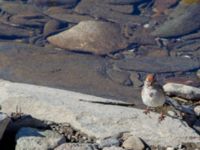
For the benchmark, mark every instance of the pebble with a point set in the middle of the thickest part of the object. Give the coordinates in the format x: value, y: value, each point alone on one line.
x: 197, y: 110
x: 133, y: 142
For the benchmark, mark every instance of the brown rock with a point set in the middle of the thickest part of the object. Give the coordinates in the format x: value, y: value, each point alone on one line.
x: 91, y: 36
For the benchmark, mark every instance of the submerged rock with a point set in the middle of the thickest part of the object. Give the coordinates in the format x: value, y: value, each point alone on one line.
x: 91, y: 36
x: 158, y: 65
x: 183, y: 20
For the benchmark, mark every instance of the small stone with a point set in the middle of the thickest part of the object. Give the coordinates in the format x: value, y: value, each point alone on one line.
x: 108, y: 142
x: 170, y: 148
x: 171, y: 113
x: 134, y: 76
x: 133, y: 143
x: 197, y: 110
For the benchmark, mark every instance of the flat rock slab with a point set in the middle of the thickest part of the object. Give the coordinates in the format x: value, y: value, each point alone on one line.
x: 91, y: 118
x: 56, y: 68
x: 158, y: 65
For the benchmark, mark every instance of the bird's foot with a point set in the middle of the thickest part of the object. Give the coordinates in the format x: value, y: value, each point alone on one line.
x: 146, y: 111
x: 161, y: 118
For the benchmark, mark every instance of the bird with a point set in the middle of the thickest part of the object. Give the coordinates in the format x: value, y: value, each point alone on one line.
x: 153, y: 95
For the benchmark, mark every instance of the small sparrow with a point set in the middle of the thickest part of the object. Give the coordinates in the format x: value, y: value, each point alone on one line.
x: 152, y: 94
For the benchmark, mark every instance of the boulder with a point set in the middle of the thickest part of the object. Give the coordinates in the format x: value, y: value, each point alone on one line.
x: 91, y: 36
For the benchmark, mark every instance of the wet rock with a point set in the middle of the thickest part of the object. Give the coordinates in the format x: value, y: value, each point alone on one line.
x: 181, y: 21
x: 30, y: 138
x: 94, y: 119
x: 75, y: 146
x: 184, y: 91
x: 16, y: 8
x: 91, y: 36
x: 121, y: 77
x: 158, y: 65
x: 30, y: 19
x: 57, y: 10
x: 108, y: 142
x: 4, y: 121
x: 191, y: 80
x: 197, y: 110
x: 102, y: 10
x: 67, y: 3
x: 133, y: 142
x: 9, y: 32
x: 121, y: 2
x: 113, y: 148
x: 135, y: 79
x: 53, y: 26
x: 71, y: 17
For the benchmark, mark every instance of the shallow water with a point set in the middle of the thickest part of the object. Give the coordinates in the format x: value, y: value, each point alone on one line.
x: 142, y: 26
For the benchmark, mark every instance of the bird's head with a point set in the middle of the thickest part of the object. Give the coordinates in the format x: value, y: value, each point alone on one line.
x: 150, y: 79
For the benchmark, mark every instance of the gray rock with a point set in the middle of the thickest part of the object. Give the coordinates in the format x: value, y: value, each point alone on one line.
x: 16, y: 8
x: 133, y: 142
x: 113, y: 148
x: 69, y: 3
x: 91, y: 36
x: 30, y: 138
x: 29, y: 19
x: 75, y: 146
x: 181, y: 90
x: 158, y: 64
x: 181, y: 21
x: 93, y: 119
x: 108, y: 142
x: 4, y: 121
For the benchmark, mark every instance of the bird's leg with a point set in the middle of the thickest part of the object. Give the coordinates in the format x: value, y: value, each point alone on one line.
x: 147, y: 110
x: 161, y: 117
